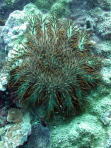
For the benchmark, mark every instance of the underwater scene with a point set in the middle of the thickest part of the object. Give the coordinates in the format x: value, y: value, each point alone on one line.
x: 55, y: 73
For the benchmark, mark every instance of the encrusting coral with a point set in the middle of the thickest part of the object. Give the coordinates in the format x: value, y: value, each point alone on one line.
x: 57, y: 69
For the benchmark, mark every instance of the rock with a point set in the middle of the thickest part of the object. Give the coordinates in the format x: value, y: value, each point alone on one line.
x: 104, y: 4
x: 84, y: 131
x: 3, y: 81
x: 106, y: 74
x: 2, y: 61
x: 108, y: 143
x: 14, y: 28
x: 93, y: 10
x: 40, y: 137
x: 101, y: 107
x: 16, y: 134
x: 14, y: 115
x: 3, y: 116
x: 103, y: 27
x: 103, y: 48
x: 83, y: 5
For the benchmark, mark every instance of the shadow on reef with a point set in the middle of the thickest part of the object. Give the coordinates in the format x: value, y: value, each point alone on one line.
x: 40, y: 137
x: 5, y: 103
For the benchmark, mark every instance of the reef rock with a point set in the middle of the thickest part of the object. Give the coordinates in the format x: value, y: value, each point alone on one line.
x: 103, y: 26
x: 3, y: 115
x: 84, y: 131
x: 14, y: 115
x: 104, y: 4
x: 14, y: 135
x: 40, y: 137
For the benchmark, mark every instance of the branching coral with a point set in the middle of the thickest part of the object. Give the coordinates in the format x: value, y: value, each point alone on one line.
x: 57, y: 68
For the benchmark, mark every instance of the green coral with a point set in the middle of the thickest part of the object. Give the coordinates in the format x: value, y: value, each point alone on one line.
x: 55, y: 74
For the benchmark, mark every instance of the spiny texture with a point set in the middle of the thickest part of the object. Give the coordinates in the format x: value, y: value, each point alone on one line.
x: 57, y: 68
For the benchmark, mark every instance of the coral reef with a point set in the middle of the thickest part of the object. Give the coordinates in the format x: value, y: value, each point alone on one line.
x: 13, y: 135
x: 93, y: 128
x: 84, y: 131
x: 58, y: 7
x: 14, y: 115
x: 56, y: 66
x: 40, y: 137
